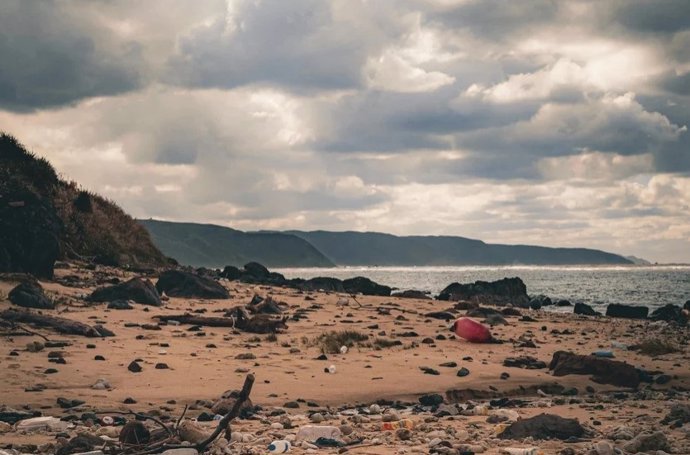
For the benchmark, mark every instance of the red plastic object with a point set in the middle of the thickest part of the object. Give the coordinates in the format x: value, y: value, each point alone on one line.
x: 471, y: 330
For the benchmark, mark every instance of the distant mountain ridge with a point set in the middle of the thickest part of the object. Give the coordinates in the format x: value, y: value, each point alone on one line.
x: 372, y: 248
x: 217, y: 246
x: 210, y: 245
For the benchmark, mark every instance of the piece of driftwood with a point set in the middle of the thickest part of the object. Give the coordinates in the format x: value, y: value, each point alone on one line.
x: 61, y: 325
x: 223, y: 426
x: 198, y: 320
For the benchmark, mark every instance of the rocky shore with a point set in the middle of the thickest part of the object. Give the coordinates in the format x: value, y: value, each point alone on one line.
x: 110, y: 360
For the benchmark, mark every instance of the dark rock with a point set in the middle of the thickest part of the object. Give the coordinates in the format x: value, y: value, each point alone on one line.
x: 584, y: 309
x: 322, y: 283
x: 256, y: 270
x: 449, y: 364
x: 64, y: 403
x: 130, y: 400
x: 81, y: 443
x: 231, y: 273
x: 430, y: 371
x: 563, y: 302
x: 134, y: 433
x: 482, y: 312
x: 177, y: 283
x: 161, y: 366
x: 30, y: 228
x: 462, y: 372
x: 603, y: 371
x: 136, y: 289
x: 510, y: 311
x: 30, y: 295
x: 291, y: 405
x: 504, y: 376
x: 134, y: 367
x: 527, y: 362
x: 540, y: 301
x: 365, y: 286
x: 615, y: 310
x: 443, y: 315
x: 669, y: 313
x: 412, y: 294
x: 507, y: 290
x: 99, y: 357
x: 120, y: 305
x: 432, y: 399
x: 679, y: 413
x: 663, y: 379
x: 544, y: 426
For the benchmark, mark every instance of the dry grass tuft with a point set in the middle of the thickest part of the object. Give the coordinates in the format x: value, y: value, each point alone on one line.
x: 331, y: 342
x: 656, y: 346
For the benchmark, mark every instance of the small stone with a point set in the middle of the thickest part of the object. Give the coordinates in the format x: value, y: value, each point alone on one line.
x: 162, y: 366
x: 403, y: 434
x: 430, y: 371
x: 462, y: 372
x: 99, y: 357
x: 134, y: 367
x: 130, y: 400
x: 432, y: 399
x: 316, y: 417
x: 504, y: 376
x: 291, y: 405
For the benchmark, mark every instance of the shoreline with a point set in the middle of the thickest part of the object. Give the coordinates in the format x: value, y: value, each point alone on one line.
x: 286, y: 369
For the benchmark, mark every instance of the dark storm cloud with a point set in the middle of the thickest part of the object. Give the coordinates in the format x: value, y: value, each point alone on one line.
x: 50, y: 58
x: 301, y: 44
x: 661, y: 16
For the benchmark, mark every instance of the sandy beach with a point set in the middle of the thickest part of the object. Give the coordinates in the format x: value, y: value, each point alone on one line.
x: 194, y: 368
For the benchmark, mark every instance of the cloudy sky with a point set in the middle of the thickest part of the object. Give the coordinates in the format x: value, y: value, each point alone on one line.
x: 560, y: 123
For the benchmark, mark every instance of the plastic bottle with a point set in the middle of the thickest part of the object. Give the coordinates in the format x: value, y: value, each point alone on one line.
x: 314, y: 432
x: 403, y: 423
x: 331, y: 369
x: 280, y: 446
x: 521, y: 451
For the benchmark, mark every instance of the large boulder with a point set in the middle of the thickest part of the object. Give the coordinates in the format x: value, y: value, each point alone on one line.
x: 30, y: 295
x: 507, y: 290
x: 231, y: 273
x: 178, y: 283
x: 136, y: 289
x: 616, y: 310
x: 669, y: 313
x: 584, y: 309
x: 256, y: 270
x: 322, y: 283
x: 603, y: 371
x: 29, y: 234
x: 544, y: 426
x: 362, y: 285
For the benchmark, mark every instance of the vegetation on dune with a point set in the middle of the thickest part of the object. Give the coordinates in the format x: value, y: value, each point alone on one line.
x: 45, y: 217
x: 331, y: 342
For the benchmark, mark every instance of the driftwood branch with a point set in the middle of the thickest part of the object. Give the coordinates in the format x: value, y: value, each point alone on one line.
x: 224, y: 423
x: 198, y: 320
x: 61, y: 325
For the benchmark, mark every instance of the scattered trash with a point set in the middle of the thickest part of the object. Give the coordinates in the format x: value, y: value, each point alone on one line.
x: 402, y: 423
x: 331, y: 369
x: 280, y: 446
x: 521, y: 451
x: 343, y: 349
x: 471, y: 330
x: 42, y: 423
x: 311, y: 433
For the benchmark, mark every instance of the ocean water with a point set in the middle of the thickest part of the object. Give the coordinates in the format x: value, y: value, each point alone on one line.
x: 651, y: 286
